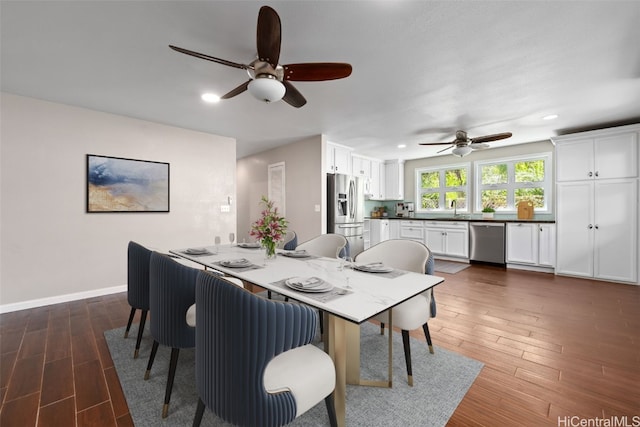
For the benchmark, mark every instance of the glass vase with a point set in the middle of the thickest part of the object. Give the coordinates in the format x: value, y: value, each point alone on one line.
x: 269, y: 250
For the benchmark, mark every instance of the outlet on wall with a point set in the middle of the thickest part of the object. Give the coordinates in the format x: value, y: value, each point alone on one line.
x: 225, y: 208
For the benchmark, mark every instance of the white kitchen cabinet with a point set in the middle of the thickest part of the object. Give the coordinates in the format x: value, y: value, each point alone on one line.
x: 412, y: 230
x: 598, y: 229
x: 394, y: 180
x: 448, y: 238
x: 603, y: 154
x: 377, y: 184
x: 338, y: 159
x: 379, y: 231
x: 531, y: 244
x: 366, y: 233
x: 361, y: 166
x: 394, y: 229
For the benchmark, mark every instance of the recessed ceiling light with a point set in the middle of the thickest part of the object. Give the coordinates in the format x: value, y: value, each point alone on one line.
x: 550, y: 117
x: 210, y: 97
x: 402, y: 145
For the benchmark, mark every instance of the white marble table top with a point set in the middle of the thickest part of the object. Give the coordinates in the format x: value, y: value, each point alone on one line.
x: 369, y: 293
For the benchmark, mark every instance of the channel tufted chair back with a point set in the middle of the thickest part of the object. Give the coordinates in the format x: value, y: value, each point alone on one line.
x: 137, y: 287
x: 254, y: 363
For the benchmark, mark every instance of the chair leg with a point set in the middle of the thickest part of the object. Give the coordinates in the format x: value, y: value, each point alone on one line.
x: 152, y: 356
x: 173, y: 363
x: 381, y: 328
x: 143, y: 319
x: 427, y: 335
x: 199, y: 413
x: 131, y: 314
x: 321, y: 319
x: 407, y: 355
x: 331, y: 410
x: 269, y: 294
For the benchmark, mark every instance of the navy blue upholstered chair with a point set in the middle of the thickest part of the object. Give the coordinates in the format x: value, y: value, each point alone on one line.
x: 254, y: 363
x: 413, y: 256
x: 137, y: 287
x: 289, y: 242
x: 171, y: 293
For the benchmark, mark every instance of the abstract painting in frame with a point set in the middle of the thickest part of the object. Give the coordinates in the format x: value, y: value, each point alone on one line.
x: 116, y: 184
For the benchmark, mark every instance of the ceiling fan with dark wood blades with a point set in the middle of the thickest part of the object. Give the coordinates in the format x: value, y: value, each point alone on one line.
x: 268, y: 80
x: 463, y: 145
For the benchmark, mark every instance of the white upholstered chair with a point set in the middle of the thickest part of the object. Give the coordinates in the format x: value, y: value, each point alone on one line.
x: 324, y: 245
x: 412, y: 256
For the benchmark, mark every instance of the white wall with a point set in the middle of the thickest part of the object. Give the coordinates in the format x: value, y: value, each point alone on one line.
x: 305, y: 187
x: 50, y: 247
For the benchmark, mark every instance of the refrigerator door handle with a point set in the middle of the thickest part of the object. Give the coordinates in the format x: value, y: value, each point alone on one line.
x: 352, y: 195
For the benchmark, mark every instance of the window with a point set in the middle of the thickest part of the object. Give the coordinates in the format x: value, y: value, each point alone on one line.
x: 503, y: 183
x: 437, y: 188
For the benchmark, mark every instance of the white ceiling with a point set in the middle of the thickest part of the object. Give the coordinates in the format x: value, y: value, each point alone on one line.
x: 421, y: 69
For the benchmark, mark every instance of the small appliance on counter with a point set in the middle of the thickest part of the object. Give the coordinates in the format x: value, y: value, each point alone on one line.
x: 411, y: 209
x: 400, y: 209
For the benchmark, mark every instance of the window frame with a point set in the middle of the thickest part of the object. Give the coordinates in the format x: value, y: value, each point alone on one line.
x: 441, y: 169
x: 512, y: 185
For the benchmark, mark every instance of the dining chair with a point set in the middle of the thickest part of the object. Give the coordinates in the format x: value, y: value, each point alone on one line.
x: 325, y: 245
x: 171, y: 293
x: 137, y: 288
x: 412, y: 256
x: 289, y: 242
x: 255, y: 365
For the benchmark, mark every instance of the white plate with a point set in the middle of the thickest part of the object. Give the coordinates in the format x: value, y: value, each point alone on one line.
x: 249, y: 245
x: 311, y: 284
x: 374, y: 268
x: 236, y: 263
x: 296, y: 254
x: 196, y: 251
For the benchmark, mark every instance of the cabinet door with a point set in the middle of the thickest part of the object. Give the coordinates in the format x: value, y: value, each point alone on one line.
x: 435, y: 241
x: 615, y: 230
x: 575, y: 228
x: 394, y: 229
x: 457, y: 242
x: 330, y: 159
x: 616, y: 156
x: 412, y: 233
x: 342, y: 160
x: 547, y: 245
x: 366, y: 233
x: 574, y: 160
x: 375, y: 188
x: 522, y: 243
x: 394, y: 180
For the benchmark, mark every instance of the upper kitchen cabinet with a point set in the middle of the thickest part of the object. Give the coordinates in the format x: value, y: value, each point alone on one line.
x: 377, y: 189
x: 394, y: 179
x: 361, y: 166
x: 601, y: 154
x: 338, y: 159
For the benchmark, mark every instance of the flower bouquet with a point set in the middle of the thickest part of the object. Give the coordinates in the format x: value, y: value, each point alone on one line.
x: 270, y: 228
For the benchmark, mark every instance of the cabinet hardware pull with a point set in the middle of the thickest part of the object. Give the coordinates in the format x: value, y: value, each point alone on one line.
x: 590, y: 226
x: 597, y: 174
x: 590, y: 174
x: 597, y: 227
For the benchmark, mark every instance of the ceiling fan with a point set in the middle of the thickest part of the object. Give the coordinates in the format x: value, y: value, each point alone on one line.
x: 463, y: 145
x: 268, y: 80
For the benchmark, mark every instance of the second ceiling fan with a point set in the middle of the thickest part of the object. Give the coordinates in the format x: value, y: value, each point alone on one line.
x: 268, y: 80
x: 463, y: 145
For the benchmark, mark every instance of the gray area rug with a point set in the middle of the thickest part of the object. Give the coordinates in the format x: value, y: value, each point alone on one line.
x: 440, y: 382
x: 450, y: 267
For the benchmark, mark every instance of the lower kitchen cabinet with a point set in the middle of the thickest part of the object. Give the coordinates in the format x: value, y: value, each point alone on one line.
x: 447, y: 238
x: 531, y: 244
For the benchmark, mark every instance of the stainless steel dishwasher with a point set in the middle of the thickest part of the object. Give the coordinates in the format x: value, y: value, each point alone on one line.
x: 487, y: 242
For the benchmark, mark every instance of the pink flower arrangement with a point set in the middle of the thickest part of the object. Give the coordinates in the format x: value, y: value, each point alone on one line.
x: 270, y: 228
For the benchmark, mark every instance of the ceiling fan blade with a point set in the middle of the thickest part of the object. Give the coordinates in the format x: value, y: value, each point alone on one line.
x: 236, y: 91
x: 479, y: 146
x: 444, y: 149
x: 435, y: 143
x: 269, y: 35
x: 292, y: 96
x: 209, y: 58
x: 489, y: 138
x: 318, y: 71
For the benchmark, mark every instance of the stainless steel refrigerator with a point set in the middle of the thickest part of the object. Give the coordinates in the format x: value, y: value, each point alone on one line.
x: 345, y: 204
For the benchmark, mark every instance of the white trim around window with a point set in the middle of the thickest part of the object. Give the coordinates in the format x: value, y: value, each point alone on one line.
x: 443, y: 194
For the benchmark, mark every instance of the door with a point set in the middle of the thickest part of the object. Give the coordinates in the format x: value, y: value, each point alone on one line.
x: 615, y: 230
x: 575, y: 228
x: 457, y: 242
x: 547, y: 245
x: 434, y: 239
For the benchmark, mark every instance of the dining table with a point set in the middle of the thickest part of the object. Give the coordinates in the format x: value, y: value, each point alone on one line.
x: 347, y: 297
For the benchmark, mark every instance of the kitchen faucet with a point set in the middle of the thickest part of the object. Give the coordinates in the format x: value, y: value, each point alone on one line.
x: 454, y: 205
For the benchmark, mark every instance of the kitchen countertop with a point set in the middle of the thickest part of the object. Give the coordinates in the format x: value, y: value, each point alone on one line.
x: 473, y: 218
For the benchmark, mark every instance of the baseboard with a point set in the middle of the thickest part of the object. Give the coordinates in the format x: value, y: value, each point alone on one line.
x: 41, y: 302
x: 531, y: 268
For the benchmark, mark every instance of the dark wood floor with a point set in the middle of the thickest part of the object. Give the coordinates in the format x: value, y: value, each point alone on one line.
x: 552, y: 347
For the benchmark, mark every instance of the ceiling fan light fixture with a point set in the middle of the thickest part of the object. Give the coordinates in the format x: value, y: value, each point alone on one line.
x: 266, y: 88
x: 461, y: 151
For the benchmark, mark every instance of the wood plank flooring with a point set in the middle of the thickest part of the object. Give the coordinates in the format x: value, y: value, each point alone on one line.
x: 553, y: 347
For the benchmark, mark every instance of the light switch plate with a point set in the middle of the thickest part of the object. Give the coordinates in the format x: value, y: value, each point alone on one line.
x: 317, y: 208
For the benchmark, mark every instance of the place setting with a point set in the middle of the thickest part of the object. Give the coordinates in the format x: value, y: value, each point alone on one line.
x: 300, y: 254
x: 315, y: 287
x: 238, y: 264
x: 197, y: 252
x: 378, y: 268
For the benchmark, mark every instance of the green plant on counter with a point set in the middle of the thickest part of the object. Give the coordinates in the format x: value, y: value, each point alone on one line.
x: 488, y: 209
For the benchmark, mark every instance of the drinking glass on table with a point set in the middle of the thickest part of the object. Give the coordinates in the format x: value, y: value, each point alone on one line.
x: 346, y: 266
x: 217, y: 242
x: 232, y: 237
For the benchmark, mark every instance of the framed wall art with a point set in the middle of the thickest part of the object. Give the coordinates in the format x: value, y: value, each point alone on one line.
x: 116, y: 184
